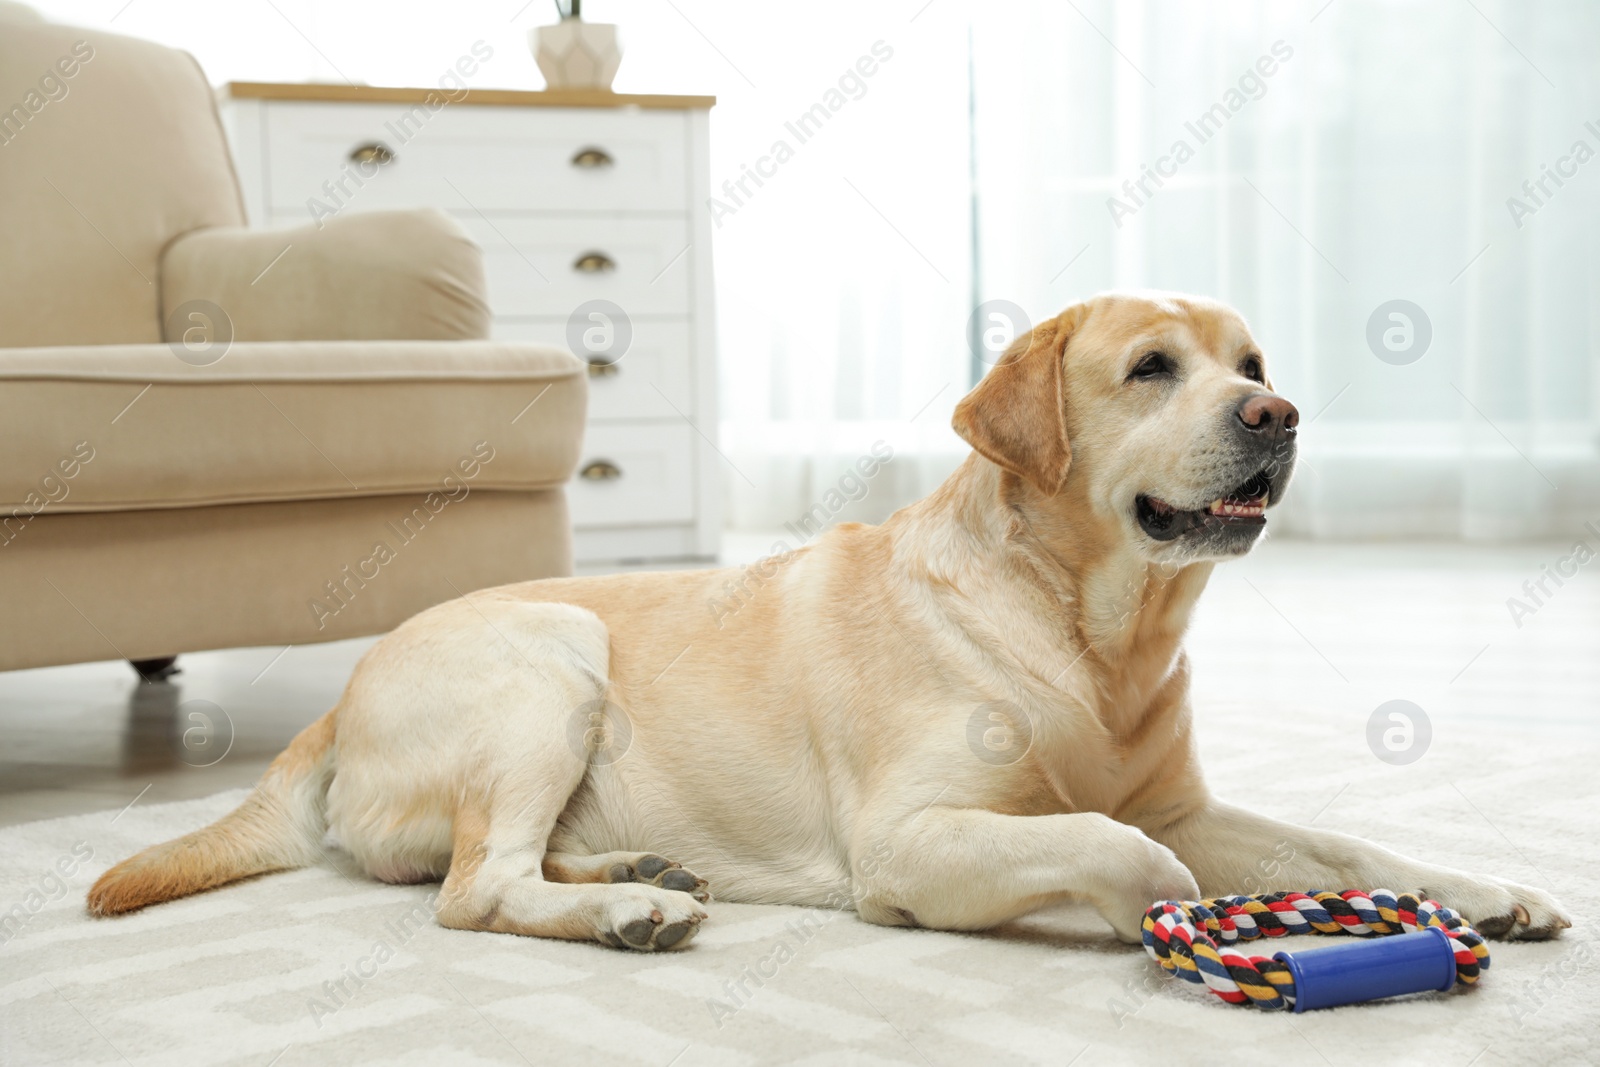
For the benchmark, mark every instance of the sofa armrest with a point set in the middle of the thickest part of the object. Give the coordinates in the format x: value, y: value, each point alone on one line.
x: 385, y: 275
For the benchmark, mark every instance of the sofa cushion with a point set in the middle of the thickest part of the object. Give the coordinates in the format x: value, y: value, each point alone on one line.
x: 119, y: 427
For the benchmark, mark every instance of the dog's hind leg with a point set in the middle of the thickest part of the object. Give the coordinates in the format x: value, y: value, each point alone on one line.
x: 496, y: 882
x: 529, y: 687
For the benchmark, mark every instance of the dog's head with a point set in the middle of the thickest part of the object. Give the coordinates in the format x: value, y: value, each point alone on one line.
x: 1154, y: 411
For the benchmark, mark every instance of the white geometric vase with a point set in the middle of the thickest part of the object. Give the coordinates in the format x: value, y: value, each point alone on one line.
x: 574, y: 54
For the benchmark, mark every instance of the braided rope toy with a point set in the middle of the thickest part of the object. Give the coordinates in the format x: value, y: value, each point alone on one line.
x: 1195, y: 940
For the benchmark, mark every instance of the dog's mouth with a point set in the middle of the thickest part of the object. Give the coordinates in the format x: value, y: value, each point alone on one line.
x: 1243, y: 507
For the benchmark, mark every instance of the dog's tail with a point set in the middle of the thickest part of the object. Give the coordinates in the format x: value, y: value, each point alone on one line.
x: 279, y: 826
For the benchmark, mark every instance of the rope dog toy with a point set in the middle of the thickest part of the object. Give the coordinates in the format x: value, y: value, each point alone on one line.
x: 1196, y: 940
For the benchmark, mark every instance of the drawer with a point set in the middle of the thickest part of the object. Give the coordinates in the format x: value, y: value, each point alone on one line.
x: 657, y: 358
x: 532, y: 266
x: 655, y: 479
x: 476, y: 157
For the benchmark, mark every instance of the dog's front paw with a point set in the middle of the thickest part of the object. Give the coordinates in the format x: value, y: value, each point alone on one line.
x: 1503, y: 910
x: 1147, y: 872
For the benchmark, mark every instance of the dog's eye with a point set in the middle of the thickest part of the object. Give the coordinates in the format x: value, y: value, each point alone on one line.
x: 1154, y: 365
x: 1251, y: 368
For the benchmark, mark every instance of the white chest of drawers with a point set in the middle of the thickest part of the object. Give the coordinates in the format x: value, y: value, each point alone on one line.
x: 574, y: 197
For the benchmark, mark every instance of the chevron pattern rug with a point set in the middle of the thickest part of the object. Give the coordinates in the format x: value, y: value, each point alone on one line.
x: 321, y: 966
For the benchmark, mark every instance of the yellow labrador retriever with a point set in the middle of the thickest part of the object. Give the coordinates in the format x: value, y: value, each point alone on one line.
x: 976, y: 709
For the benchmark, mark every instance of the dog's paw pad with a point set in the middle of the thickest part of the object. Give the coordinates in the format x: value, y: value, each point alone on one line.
x: 680, y: 880
x: 1495, y: 928
x: 671, y: 935
x: 1508, y: 911
x: 646, y: 921
x: 650, y: 869
x: 639, y: 932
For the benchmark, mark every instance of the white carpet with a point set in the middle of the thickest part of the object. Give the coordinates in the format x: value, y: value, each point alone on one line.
x: 1508, y: 787
x: 239, y: 976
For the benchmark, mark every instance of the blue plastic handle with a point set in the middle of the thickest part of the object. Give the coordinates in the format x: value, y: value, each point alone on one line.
x: 1354, y: 971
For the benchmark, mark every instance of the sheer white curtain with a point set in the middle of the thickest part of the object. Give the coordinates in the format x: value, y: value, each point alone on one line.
x: 1337, y: 159
x: 1365, y: 153
x: 1372, y: 164
x: 843, y: 281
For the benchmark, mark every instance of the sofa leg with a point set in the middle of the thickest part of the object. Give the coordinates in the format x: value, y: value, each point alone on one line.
x: 156, y: 670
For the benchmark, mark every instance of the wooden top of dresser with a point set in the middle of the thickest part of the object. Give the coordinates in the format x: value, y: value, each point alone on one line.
x: 379, y: 94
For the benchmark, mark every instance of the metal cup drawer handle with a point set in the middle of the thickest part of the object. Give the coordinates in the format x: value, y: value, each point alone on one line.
x: 594, y: 263
x: 602, y: 366
x: 372, y: 152
x: 601, y: 470
x: 592, y: 158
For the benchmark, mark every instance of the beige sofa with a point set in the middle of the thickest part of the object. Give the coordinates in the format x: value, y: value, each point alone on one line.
x: 212, y: 437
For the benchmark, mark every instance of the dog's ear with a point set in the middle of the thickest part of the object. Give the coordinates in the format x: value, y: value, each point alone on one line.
x: 1016, y: 417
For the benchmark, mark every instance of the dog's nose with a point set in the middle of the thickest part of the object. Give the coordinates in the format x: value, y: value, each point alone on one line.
x: 1268, y: 414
